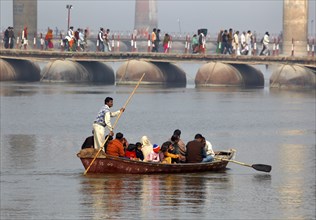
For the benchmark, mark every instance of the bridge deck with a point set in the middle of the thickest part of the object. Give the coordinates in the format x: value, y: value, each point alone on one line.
x: 154, y: 57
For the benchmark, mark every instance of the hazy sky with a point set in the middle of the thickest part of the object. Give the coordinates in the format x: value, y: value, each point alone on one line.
x: 187, y: 15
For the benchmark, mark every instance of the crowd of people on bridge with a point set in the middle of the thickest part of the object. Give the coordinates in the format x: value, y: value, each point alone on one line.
x: 103, y: 41
x: 228, y: 41
x: 75, y: 40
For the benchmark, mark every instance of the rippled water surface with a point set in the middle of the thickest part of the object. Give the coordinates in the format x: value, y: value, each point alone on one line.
x: 44, y: 125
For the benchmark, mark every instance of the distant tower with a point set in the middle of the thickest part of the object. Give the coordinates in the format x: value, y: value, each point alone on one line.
x: 25, y: 14
x: 145, y: 16
x: 295, y: 26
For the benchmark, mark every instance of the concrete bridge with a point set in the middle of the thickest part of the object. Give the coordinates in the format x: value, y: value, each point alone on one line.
x: 309, y: 61
x: 160, y: 68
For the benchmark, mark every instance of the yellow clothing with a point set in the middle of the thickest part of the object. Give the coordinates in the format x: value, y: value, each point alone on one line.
x: 153, y: 36
x: 169, y: 156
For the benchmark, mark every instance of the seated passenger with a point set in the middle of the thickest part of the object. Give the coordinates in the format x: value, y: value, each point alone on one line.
x: 195, y: 150
x: 88, y: 143
x: 125, y: 143
x: 147, y: 147
x: 153, y: 156
x: 115, y: 147
x: 209, y: 151
x: 166, y: 148
x: 179, y: 147
x: 179, y: 144
x: 109, y: 138
x: 138, y: 150
x: 130, y: 151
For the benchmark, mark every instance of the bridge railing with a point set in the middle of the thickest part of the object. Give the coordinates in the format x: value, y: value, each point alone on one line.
x: 123, y: 41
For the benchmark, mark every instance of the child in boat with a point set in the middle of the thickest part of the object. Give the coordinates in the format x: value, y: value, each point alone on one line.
x: 138, y: 150
x: 166, y: 148
x: 130, y: 152
x: 154, y: 155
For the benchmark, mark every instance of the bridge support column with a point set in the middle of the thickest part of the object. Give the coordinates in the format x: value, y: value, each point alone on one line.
x: 25, y: 14
x: 295, y: 16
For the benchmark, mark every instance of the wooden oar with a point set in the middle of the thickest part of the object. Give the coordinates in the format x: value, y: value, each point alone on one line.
x: 259, y: 167
x: 117, y: 118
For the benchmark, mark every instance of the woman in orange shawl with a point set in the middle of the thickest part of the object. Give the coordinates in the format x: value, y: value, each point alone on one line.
x: 48, y: 39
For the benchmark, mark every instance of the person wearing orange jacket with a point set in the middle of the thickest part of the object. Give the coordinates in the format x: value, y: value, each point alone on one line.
x: 115, y: 147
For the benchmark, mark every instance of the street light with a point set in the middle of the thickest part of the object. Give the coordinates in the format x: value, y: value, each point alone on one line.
x: 312, y: 27
x: 68, y: 7
x: 179, y: 25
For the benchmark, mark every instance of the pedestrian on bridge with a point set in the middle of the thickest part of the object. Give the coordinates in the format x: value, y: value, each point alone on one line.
x: 24, y: 41
x: 166, y: 43
x: 6, y: 38
x: 225, y: 47
x: 265, y: 45
x: 100, y: 40
x: 107, y: 40
x: 153, y: 38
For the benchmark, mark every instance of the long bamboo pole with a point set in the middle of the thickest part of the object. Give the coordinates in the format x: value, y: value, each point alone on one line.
x: 126, y: 103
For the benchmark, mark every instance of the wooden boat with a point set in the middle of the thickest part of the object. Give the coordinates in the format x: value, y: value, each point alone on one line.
x: 109, y: 164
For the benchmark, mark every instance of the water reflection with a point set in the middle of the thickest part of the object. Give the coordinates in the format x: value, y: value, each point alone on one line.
x: 21, y: 151
x: 293, y: 94
x: 128, y: 196
x: 9, y: 89
x: 294, y: 163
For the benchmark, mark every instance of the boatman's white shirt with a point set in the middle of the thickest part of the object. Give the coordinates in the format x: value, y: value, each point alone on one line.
x: 107, y: 118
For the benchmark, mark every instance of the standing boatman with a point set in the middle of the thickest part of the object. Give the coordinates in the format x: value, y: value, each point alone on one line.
x: 103, y: 120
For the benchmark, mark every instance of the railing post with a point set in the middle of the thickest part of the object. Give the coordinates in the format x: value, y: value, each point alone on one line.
x: 170, y: 44
x: 148, y: 43
x: 42, y: 41
x: 278, y: 47
x: 308, y: 50
x: 135, y: 44
x: 189, y: 44
x: 18, y: 40
x: 254, y: 46
x: 62, y: 46
x: 313, y: 47
x: 292, y: 47
x: 78, y: 45
x: 118, y: 43
x: 2, y: 40
x: 186, y: 44
x: 112, y: 44
x: 10, y: 39
x: 34, y: 41
x: 132, y: 43
x: 274, y: 47
x: 98, y: 45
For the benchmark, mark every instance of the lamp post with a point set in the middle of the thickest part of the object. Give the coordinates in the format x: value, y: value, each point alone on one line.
x: 312, y: 27
x: 68, y: 7
x: 179, y: 25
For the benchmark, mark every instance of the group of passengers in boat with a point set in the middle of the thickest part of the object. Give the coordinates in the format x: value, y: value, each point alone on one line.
x: 173, y: 150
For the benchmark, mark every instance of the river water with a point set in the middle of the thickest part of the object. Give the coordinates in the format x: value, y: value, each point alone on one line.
x: 44, y: 125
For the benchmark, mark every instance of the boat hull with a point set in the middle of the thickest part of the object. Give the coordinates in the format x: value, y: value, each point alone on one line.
x: 110, y: 164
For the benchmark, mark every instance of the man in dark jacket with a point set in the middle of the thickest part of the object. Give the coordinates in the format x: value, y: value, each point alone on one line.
x: 195, y: 150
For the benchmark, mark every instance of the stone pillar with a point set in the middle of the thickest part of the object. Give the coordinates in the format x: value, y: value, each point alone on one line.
x: 145, y: 16
x: 25, y: 14
x: 295, y: 26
